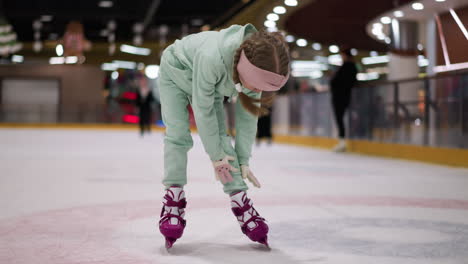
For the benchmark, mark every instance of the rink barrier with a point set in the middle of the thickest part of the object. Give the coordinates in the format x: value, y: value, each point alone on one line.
x: 129, y: 127
x: 444, y: 156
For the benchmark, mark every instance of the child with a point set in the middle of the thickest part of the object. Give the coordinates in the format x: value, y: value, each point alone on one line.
x: 200, y: 70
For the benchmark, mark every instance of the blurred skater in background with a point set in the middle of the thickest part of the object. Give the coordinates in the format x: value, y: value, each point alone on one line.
x: 144, y: 103
x: 340, y: 86
x: 264, y: 124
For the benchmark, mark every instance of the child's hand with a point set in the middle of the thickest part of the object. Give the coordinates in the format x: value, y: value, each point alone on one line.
x: 247, y: 174
x: 223, y: 169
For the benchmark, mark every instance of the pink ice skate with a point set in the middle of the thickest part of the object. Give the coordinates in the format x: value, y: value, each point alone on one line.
x: 250, y: 221
x: 172, y: 222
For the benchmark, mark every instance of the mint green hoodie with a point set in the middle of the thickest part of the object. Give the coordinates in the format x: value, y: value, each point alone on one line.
x: 201, y: 65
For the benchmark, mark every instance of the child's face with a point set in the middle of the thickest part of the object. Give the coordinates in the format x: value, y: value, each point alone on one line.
x: 246, y: 85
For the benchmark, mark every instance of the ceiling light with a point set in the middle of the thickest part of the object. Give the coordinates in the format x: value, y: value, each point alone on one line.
x: 417, y: 6
x: 269, y: 23
x: 386, y: 20
x: 398, y: 13
x: 46, y: 18
x: 152, y: 71
x: 290, y: 2
x: 57, y: 60
x: 375, y: 60
x: 135, y: 50
x: 440, y: 0
x: 374, y: 53
x: 279, y: 10
x: 273, y: 17
x: 71, y: 59
x: 388, y: 40
x: 115, y: 75
x: 317, y: 46
x: 272, y: 29
x: 301, y: 42
x: 130, y: 65
x: 59, y: 50
x: 105, y: 4
x: 109, y: 66
x: 17, y: 58
x: 290, y: 38
x: 354, y: 52
x: 334, y: 49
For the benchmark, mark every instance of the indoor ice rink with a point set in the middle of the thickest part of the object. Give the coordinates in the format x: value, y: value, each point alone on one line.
x: 94, y: 196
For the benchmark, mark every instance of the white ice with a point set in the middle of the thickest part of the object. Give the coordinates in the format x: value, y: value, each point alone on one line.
x: 84, y: 196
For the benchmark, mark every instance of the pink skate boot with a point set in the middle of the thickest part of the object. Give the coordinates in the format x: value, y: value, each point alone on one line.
x: 172, y: 222
x: 250, y: 221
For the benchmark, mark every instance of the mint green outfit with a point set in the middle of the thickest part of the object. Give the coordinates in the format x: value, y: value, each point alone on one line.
x: 197, y: 70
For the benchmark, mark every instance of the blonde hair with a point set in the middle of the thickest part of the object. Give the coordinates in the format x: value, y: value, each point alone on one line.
x: 269, y: 52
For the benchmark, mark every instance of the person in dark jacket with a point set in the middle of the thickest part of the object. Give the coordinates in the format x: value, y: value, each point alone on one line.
x: 264, y: 124
x: 144, y: 102
x: 340, y: 86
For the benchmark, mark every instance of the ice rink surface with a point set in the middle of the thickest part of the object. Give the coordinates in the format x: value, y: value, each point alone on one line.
x: 94, y: 197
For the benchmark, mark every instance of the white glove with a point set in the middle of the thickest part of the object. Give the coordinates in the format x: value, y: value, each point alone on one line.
x: 223, y: 169
x: 247, y: 174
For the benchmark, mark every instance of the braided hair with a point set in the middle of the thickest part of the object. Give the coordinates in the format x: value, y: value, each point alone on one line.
x: 269, y: 52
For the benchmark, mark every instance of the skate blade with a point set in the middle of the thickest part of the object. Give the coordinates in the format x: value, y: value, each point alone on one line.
x: 265, y: 243
x: 170, y: 242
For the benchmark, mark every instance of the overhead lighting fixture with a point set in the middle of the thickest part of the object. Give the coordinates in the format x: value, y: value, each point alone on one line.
x: 125, y: 64
x: 273, y: 17
x: 334, y: 49
x: 135, y: 50
x: 290, y: 2
x: 290, y: 38
x: 152, y: 71
x: 386, y: 20
x: 272, y: 29
x: 374, y: 53
x: 269, y: 24
x: 417, y: 6
x: 354, y: 52
x: 46, y: 18
x: 17, y: 58
x: 57, y: 60
x: 460, y: 24
x: 398, y: 13
x: 105, y: 4
x: 335, y: 59
x: 367, y: 76
x: 115, y: 75
x: 317, y: 46
x: 375, y: 60
x: 59, y: 50
x: 71, y: 59
x: 388, y: 40
x: 279, y: 10
x: 109, y: 66
x: 440, y: 0
x: 301, y: 42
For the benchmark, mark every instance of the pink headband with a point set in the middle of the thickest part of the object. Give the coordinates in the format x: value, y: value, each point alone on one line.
x: 259, y: 78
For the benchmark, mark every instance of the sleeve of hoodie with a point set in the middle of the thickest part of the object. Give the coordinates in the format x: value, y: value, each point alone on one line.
x: 246, y: 130
x: 205, y: 76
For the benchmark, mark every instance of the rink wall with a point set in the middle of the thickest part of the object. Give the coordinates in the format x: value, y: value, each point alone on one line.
x: 444, y: 156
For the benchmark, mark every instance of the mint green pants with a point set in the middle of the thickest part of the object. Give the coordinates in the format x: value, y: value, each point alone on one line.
x: 178, y: 141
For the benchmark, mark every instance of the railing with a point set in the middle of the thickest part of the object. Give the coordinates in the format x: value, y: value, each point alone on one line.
x: 430, y: 111
x: 426, y: 111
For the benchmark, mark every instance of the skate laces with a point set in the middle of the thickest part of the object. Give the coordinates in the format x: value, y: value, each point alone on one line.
x: 177, y: 212
x: 241, y: 210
